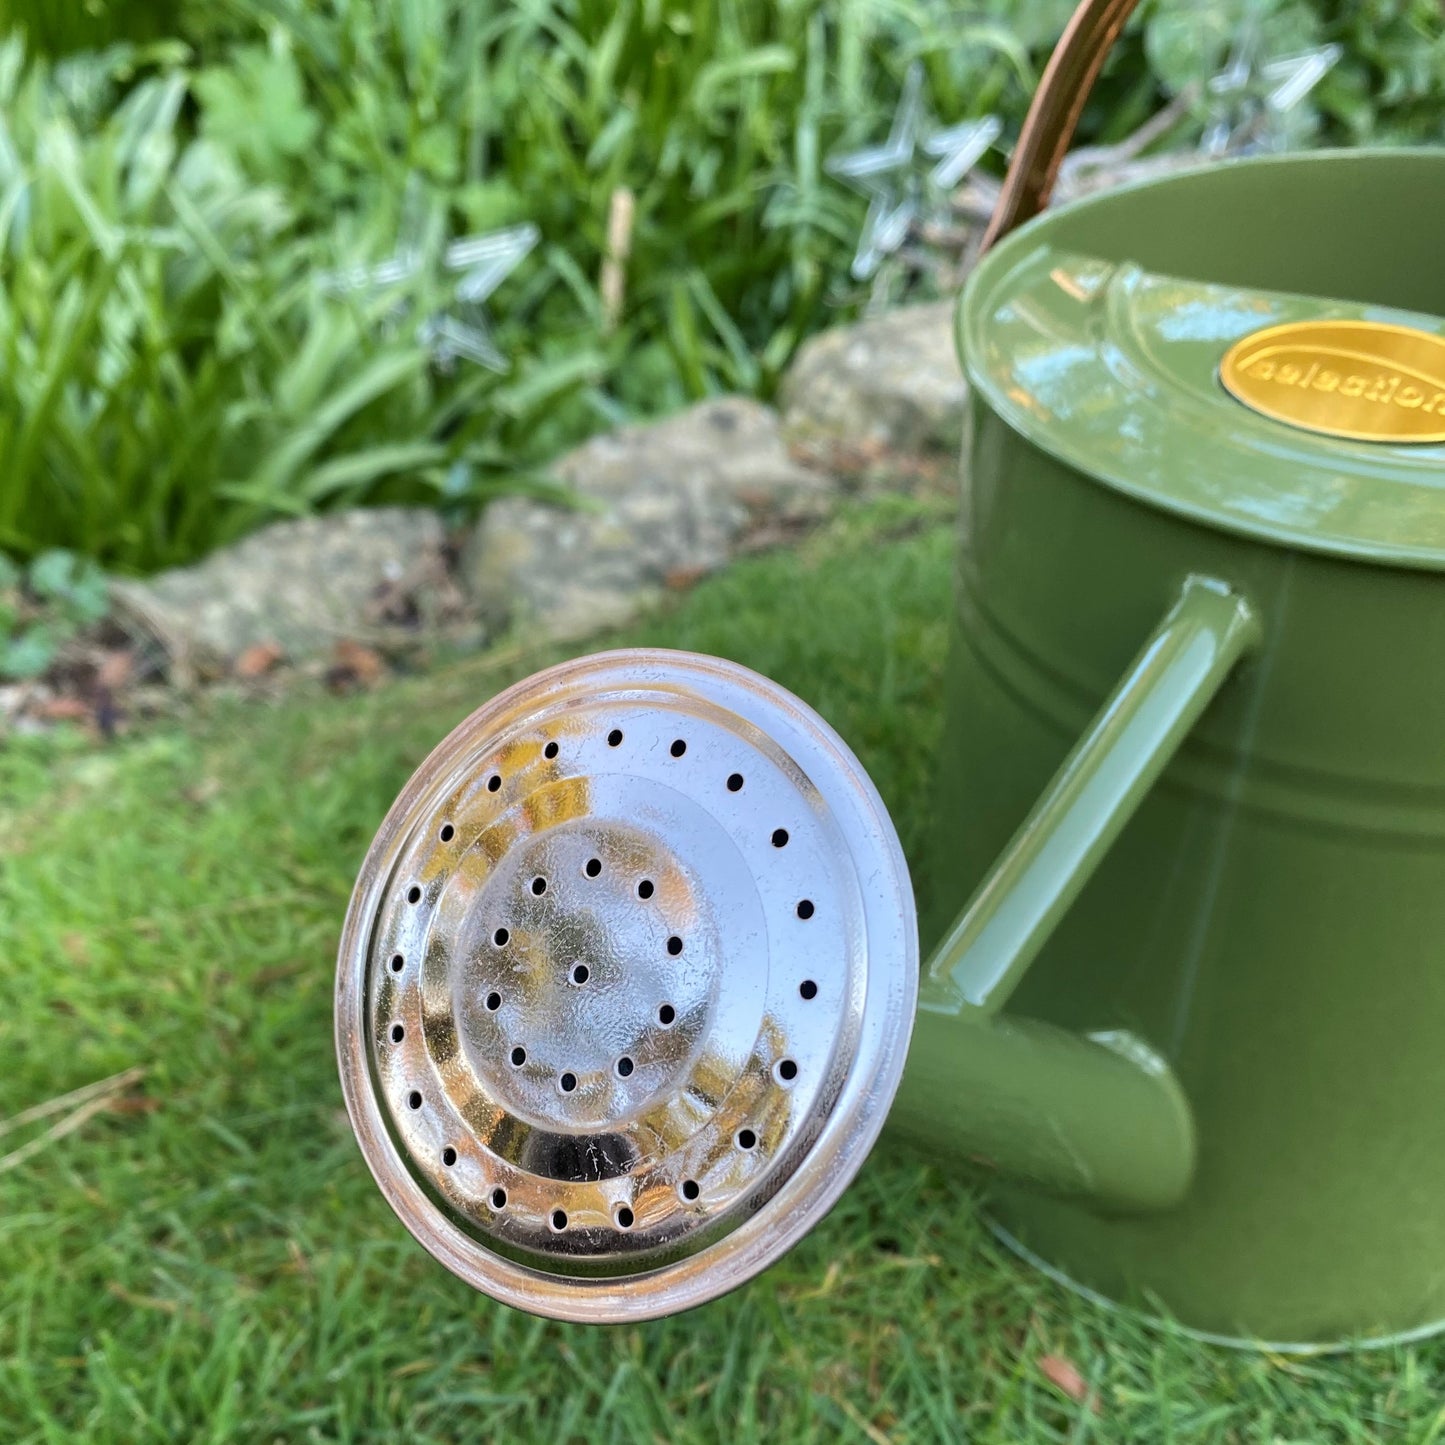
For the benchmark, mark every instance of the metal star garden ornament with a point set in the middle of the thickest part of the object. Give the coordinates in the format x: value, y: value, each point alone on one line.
x: 908, y: 177
x: 1254, y: 99
x: 480, y: 264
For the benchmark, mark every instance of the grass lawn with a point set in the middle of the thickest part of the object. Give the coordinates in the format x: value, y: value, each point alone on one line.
x: 220, y: 1266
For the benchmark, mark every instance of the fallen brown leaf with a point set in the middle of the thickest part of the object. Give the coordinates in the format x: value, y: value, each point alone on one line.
x: 679, y: 579
x: 63, y: 709
x: 354, y: 664
x: 257, y: 660
x: 1064, y: 1375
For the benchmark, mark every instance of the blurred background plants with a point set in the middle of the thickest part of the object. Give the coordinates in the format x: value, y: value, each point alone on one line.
x: 43, y: 606
x: 177, y: 179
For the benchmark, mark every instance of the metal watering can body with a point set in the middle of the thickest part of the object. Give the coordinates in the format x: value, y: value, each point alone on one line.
x: 1271, y: 918
x: 1192, y: 807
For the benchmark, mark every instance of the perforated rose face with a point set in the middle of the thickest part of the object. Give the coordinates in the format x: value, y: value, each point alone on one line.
x: 626, y: 985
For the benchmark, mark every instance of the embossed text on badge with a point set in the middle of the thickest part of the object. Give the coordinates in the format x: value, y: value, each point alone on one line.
x: 1361, y: 380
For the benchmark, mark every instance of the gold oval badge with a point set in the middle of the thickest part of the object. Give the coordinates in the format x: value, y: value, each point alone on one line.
x: 1364, y: 380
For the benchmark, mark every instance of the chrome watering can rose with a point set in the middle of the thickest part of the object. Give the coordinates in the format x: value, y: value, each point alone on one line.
x: 626, y: 985
x: 629, y: 978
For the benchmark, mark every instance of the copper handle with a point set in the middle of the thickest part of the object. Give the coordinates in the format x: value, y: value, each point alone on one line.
x: 1054, y: 114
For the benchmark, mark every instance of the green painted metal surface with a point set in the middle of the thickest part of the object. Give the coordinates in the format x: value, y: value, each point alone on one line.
x: 1100, y: 1119
x: 1114, y: 370
x: 985, y: 954
x: 1267, y: 929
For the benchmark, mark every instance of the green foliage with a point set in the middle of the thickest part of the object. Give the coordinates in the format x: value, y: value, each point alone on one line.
x: 60, y: 27
x: 715, y: 115
x: 254, y: 108
x: 43, y: 606
x: 1388, y: 87
x: 173, y: 372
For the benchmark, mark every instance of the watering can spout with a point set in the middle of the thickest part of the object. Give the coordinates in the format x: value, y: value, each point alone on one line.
x: 1099, y: 1117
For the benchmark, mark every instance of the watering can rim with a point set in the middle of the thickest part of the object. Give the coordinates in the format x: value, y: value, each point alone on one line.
x: 972, y: 319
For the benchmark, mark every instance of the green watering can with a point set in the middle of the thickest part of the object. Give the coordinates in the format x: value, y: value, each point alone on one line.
x: 628, y: 980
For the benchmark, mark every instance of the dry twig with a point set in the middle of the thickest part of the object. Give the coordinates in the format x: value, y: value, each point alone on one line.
x: 84, y: 1103
x: 612, y: 284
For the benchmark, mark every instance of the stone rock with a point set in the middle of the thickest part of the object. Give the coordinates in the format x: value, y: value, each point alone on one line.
x: 889, y: 384
x: 300, y: 585
x: 658, y: 504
